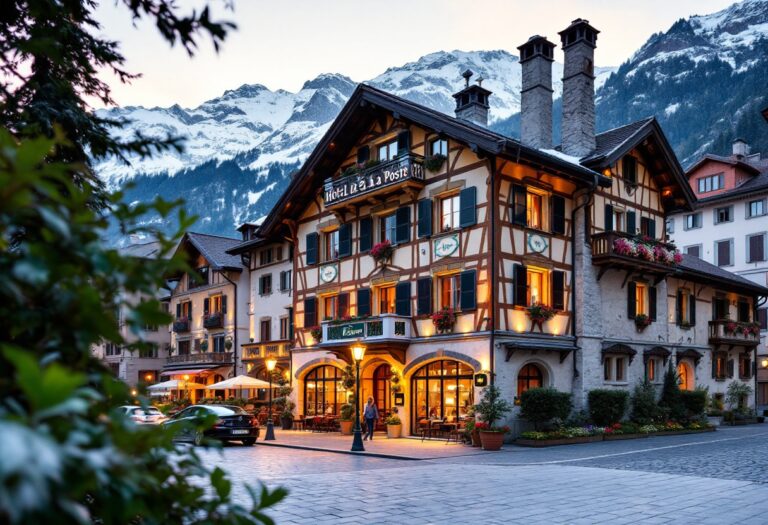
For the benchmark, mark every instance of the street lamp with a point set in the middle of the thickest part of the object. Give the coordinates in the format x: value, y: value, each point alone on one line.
x: 358, y: 352
x: 271, y: 362
x: 764, y: 362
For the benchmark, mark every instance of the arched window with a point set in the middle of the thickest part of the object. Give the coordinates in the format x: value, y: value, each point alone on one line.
x: 441, y: 390
x: 685, y: 376
x: 530, y: 376
x: 324, y: 392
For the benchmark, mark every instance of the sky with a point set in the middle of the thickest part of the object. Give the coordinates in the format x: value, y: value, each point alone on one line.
x: 283, y: 43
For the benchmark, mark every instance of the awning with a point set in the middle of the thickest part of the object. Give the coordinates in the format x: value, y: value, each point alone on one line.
x: 619, y: 349
x: 690, y: 353
x: 190, y: 372
x: 560, y: 345
x: 657, y: 351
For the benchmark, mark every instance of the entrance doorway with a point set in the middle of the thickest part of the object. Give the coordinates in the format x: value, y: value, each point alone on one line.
x: 441, y: 390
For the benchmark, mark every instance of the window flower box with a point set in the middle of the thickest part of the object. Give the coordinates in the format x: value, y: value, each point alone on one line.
x: 381, y: 252
x: 642, y: 322
x: 539, y: 314
x: 444, y: 320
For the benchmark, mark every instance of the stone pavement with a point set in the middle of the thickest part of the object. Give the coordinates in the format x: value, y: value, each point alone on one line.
x: 717, y: 478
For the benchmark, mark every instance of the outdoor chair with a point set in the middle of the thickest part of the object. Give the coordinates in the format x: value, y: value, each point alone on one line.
x: 425, y: 428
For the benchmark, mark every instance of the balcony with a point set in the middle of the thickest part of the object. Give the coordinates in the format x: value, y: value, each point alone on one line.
x: 203, y: 358
x: 402, y: 172
x: 181, y: 325
x: 727, y: 332
x: 214, y: 320
x: 621, y: 250
x: 253, y: 351
x: 383, y: 328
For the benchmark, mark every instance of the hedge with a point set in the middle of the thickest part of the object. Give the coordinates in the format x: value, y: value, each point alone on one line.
x: 607, y: 406
x: 540, y: 405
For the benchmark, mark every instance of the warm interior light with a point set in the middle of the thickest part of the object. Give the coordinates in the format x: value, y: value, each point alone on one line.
x: 358, y: 352
x: 764, y: 363
x: 148, y: 377
x: 133, y: 392
x: 666, y: 193
x: 186, y: 377
x: 271, y: 362
x: 607, y: 172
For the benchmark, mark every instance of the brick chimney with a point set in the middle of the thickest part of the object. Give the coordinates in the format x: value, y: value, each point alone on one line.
x: 740, y: 148
x: 472, y: 101
x: 578, y: 128
x: 536, y: 57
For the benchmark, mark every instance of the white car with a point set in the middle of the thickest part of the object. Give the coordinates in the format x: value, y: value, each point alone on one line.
x: 144, y: 416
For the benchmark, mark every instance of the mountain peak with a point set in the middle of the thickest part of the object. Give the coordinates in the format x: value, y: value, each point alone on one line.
x: 330, y: 80
x: 244, y: 91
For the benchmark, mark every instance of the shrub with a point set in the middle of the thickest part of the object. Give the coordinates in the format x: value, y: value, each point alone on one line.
x: 694, y: 401
x: 492, y: 406
x: 607, y: 406
x: 671, y: 401
x: 644, y: 407
x: 737, y: 394
x: 539, y: 405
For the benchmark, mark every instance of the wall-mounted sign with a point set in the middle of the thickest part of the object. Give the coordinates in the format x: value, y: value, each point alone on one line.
x: 537, y: 243
x: 346, y: 331
x: 371, y: 180
x: 446, y: 246
x: 399, y: 399
x: 329, y: 272
x: 481, y: 380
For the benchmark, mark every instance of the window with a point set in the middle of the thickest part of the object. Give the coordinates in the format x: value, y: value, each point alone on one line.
x: 184, y: 310
x: 441, y: 390
x: 756, y: 248
x: 331, y: 245
x: 214, y: 304
x: 629, y: 169
x: 183, y: 347
x: 615, y: 369
x: 653, y: 370
x: 648, y: 227
x: 719, y: 308
x: 742, y: 310
x: 439, y: 147
x: 218, y: 344
x: 723, y: 214
x: 685, y: 377
x: 283, y: 328
x: 330, y: 306
x: 530, y: 376
x: 745, y: 366
x: 201, y: 279
x: 265, y: 334
x: 388, y: 228
x: 670, y: 225
x: 449, y: 213
x: 450, y: 292
x: 265, y: 284
x: 694, y: 251
x: 618, y: 220
x: 711, y: 183
x: 388, y: 151
x: 387, y: 300
x: 265, y: 256
x: 641, y: 299
x: 535, y: 210
x: 149, y: 352
x: 762, y: 318
x: 286, y: 280
x: 724, y: 252
x: 324, y: 393
x: 111, y: 349
x: 536, y: 281
x: 692, y: 221
x: 756, y: 208
x: 686, y: 304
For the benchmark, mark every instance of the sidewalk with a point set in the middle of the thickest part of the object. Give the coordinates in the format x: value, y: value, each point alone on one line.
x: 405, y: 448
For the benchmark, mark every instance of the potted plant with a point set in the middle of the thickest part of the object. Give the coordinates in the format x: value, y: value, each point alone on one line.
x: 539, y: 314
x: 382, y: 251
x: 435, y: 162
x: 444, y: 319
x: 472, y: 433
x: 642, y: 321
x: 347, y: 419
x: 228, y: 344
x: 394, y: 381
x: 286, y: 416
x: 317, y: 333
x: 490, y: 409
x: 204, y: 345
x: 394, y: 425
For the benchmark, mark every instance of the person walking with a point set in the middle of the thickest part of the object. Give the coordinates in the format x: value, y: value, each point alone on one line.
x: 371, y: 414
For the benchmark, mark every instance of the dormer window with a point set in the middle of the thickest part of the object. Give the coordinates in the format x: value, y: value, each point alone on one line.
x: 388, y: 151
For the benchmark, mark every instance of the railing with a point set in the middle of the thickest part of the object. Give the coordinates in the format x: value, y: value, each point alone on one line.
x: 405, y: 168
x: 369, y: 329
x: 618, y: 247
x: 203, y: 357
x: 181, y: 325
x: 725, y: 331
x: 264, y: 350
x: 214, y: 320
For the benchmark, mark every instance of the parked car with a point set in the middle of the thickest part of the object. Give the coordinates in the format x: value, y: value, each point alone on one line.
x: 144, y: 416
x: 232, y: 424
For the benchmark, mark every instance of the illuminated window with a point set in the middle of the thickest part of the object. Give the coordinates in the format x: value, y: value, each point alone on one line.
x: 685, y: 376
x: 450, y: 291
x: 214, y: 303
x: 618, y: 220
x: 530, y: 376
x: 388, y: 151
x: 449, y: 213
x: 535, y: 210
x: 641, y: 299
x: 331, y: 246
x: 388, y: 228
x: 330, y: 306
x: 652, y: 370
x: 537, y: 284
x: 387, y: 300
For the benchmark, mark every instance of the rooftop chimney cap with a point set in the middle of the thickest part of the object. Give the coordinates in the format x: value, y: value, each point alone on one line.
x: 579, y: 31
x: 536, y: 45
x: 467, y: 75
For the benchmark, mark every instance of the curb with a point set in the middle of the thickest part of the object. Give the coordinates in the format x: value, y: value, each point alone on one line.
x: 349, y: 452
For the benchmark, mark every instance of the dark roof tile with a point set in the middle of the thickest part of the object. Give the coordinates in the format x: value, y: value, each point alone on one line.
x: 214, y: 249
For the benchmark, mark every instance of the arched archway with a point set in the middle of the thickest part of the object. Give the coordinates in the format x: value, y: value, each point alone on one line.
x: 441, y: 389
x: 685, y: 376
x: 531, y: 375
x: 324, y: 392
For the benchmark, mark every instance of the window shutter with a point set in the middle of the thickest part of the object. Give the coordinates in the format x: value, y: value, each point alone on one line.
x: 520, y: 277
x: 178, y: 310
x: 679, y: 312
x: 468, y: 207
x: 312, y: 242
x: 652, y: 228
x: 261, y: 285
x: 223, y: 304
x: 403, y: 142
x: 608, y: 217
x: 730, y: 368
x: 282, y: 281
x: 558, y: 214
x: 206, y: 306
x: 424, y: 228
x: 748, y: 367
x: 558, y: 290
x: 652, y: 303
x: 631, y: 223
x: 342, y: 305
x: 190, y: 310
x: 403, y: 228
x: 469, y: 289
x: 519, y: 211
x: 363, y: 154
x: 424, y: 296
x: 714, y: 366
x: 363, y: 302
x: 310, y: 312
x: 723, y: 253
x: 366, y: 234
x: 692, y: 309
x: 631, y: 298
x: 345, y: 240
x: 403, y: 298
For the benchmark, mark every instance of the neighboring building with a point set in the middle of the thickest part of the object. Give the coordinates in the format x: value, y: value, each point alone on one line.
x: 209, y: 312
x: 135, y: 367
x: 728, y: 226
x: 270, y: 306
x: 489, y: 227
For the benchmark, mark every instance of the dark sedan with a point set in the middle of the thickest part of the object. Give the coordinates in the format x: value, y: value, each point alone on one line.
x: 231, y: 423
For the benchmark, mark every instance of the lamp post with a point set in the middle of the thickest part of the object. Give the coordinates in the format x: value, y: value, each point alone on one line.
x: 358, y: 352
x: 271, y: 362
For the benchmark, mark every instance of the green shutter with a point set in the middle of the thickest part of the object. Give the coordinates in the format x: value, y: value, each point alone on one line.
x: 520, y: 277
x: 679, y: 304
x: 558, y: 290
x: 608, y: 218
x: 631, y: 223
x: 468, y: 207
x: 345, y: 240
x: 206, y: 306
x: 342, y: 305
x: 558, y: 214
x: 363, y: 302
x: 652, y: 228
x: 363, y: 154
x: 424, y: 296
x: 366, y: 234
x: 692, y: 309
x: 631, y: 298
x: 652, y: 303
x: 310, y: 312
x: 403, y: 227
x: 403, y: 142
x: 468, y: 289
x: 424, y: 228
x: 312, y: 247
x: 403, y: 298
x: 519, y: 205
x: 223, y: 304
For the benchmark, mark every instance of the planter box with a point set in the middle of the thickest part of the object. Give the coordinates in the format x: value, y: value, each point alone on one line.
x: 557, y: 442
x: 715, y: 421
x: 740, y: 422
x: 681, y: 432
x: 346, y: 427
x: 393, y: 431
x: 491, y: 440
x: 619, y: 437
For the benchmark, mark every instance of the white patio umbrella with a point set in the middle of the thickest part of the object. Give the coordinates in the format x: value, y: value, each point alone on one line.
x: 176, y: 384
x: 239, y: 382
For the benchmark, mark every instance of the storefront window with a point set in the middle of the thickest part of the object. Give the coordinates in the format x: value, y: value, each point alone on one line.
x: 323, y: 391
x: 441, y: 390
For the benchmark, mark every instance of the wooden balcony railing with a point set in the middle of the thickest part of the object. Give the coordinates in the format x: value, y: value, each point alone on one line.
x: 384, y: 327
x: 214, y: 320
x: 213, y: 358
x: 264, y: 350
x: 726, y: 331
x: 404, y: 170
x: 630, y: 251
x: 181, y: 325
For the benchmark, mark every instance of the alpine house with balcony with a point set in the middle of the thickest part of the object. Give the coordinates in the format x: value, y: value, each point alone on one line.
x: 457, y: 256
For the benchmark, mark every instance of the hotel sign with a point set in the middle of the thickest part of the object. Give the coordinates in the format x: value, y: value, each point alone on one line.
x: 349, y: 331
x: 372, y: 179
x: 446, y: 246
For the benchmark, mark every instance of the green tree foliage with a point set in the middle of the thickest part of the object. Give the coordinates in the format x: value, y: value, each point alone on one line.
x: 694, y: 401
x: 644, y: 408
x: 671, y: 402
x: 539, y: 405
x: 492, y: 406
x: 607, y: 406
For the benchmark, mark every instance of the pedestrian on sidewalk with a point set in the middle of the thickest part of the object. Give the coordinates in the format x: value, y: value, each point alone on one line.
x: 371, y: 414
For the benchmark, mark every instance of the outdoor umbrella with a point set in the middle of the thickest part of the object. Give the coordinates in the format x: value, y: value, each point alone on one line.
x: 175, y: 384
x: 239, y: 382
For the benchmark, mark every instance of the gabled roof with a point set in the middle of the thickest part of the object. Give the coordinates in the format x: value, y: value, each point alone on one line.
x: 248, y: 245
x: 755, y: 186
x: 613, y: 140
x: 214, y: 249
x: 731, y: 161
x: 365, y: 105
x: 699, y: 270
x: 143, y: 250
